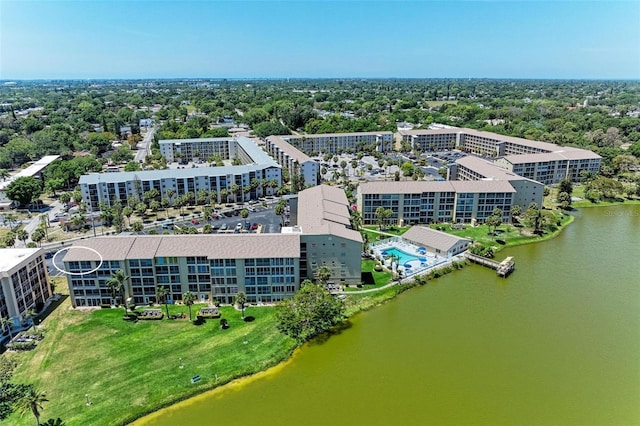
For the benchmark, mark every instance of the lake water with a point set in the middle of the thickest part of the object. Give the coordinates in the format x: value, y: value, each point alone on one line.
x: 556, y: 343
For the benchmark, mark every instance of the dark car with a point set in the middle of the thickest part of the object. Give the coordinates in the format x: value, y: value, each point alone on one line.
x: 254, y: 226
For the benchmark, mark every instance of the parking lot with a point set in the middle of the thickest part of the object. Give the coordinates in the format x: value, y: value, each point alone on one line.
x: 227, y: 220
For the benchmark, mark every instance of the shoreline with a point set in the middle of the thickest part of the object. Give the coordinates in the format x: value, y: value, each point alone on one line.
x: 384, y: 295
x: 230, y: 386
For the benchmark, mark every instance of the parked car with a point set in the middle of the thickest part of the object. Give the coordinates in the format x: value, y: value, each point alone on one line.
x: 195, y: 221
x: 223, y: 227
x: 254, y: 226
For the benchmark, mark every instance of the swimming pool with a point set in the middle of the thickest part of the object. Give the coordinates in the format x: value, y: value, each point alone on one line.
x: 402, y: 256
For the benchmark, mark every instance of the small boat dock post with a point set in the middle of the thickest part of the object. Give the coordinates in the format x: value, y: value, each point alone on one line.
x: 503, y: 268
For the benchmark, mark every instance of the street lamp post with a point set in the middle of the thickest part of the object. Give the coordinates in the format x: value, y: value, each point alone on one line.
x: 181, y: 364
x: 86, y: 397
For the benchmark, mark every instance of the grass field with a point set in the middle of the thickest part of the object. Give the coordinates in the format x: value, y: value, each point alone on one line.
x: 509, y: 235
x: 129, y: 369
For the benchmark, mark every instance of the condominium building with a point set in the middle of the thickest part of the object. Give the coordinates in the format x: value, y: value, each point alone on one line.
x: 473, y: 168
x: 552, y: 167
x: 431, y: 140
x: 336, y: 143
x: 228, y: 148
x: 266, y: 267
x: 250, y: 181
x: 294, y: 160
x: 416, y: 202
x: 323, y: 219
x: 550, y: 162
x: 24, y: 283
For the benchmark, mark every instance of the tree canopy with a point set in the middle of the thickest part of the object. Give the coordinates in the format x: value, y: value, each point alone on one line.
x: 24, y: 190
x: 311, y: 311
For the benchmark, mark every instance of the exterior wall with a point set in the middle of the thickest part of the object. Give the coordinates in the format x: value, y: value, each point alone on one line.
x: 186, y: 150
x: 435, y: 206
x: 202, y: 178
x: 551, y: 172
x: 23, y: 287
x: 310, y: 171
x: 432, y: 142
x: 481, y: 145
x: 341, y: 255
x: 261, y: 279
x: 527, y: 191
x: 335, y: 143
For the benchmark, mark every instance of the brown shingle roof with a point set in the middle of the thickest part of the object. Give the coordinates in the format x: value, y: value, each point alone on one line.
x: 417, y: 187
x: 223, y: 246
x: 432, y: 238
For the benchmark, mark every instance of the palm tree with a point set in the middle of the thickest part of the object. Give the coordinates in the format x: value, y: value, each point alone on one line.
x: 323, y: 273
x: 155, y: 206
x: 8, y: 324
x: 137, y: 226
x: 10, y: 218
x: 29, y: 315
x: 116, y: 284
x: 32, y: 400
x: 170, y: 194
x: 162, y: 293
x: 188, y: 298
x: 37, y: 236
x: 241, y: 299
x: 23, y: 236
x: 44, y: 224
x: 235, y: 190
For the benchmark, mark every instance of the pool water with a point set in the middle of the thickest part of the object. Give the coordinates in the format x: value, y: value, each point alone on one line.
x: 402, y: 256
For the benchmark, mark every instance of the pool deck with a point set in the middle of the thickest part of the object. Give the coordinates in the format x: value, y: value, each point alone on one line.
x: 416, y: 266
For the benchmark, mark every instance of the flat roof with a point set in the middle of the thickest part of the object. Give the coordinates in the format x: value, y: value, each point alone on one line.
x: 12, y: 257
x: 188, y: 172
x: 289, y: 149
x: 32, y: 170
x: 488, y: 169
x: 322, y: 135
x: 256, y: 153
x: 561, y: 155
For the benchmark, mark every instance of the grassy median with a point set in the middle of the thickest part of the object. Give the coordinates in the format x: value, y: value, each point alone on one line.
x: 128, y: 369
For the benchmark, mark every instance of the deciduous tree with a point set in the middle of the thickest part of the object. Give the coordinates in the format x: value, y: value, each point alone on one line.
x: 311, y: 311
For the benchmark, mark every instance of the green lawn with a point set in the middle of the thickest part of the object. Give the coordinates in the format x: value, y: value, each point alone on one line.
x: 129, y: 369
x: 381, y: 278
x: 508, y: 234
x: 374, y: 233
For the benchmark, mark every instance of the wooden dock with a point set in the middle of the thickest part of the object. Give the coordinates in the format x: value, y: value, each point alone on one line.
x: 503, y: 268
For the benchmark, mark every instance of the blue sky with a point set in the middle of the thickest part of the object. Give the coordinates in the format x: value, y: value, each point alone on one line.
x: 245, y: 39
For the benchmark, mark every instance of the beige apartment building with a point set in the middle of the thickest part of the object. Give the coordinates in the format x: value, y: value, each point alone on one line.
x: 335, y: 143
x: 266, y: 267
x: 294, y: 160
x: 473, y: 168
x: 415, y: 202
x: 550, y: 162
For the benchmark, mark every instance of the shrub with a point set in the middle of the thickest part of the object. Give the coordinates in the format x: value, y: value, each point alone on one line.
x: 377, y: 268
x: 22, y: 346
x: 224, y: 324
